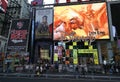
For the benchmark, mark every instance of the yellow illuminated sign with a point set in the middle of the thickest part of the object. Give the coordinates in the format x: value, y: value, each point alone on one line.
x: 94, y: 51
x: 74, y: 43
x: 70, y: 47
x: 90, y: 47
x: 55, y: 57
x: 75, y: 56
x: 86, y: 43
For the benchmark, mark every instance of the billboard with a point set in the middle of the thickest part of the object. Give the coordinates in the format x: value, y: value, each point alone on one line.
x: 43, y: 23
x: 19, y: 35
x: 115, y: 17
x: 79, y: 21
x: 3, y: 5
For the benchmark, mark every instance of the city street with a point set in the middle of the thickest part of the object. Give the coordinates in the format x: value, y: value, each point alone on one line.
x: 50, y: 80
x: 57, y: 78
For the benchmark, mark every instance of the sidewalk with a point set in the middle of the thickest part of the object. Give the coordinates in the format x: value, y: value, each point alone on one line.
x: 63, y: 76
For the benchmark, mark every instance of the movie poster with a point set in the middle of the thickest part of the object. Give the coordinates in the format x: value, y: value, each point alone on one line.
x: 43, y: 23
x: 75, y: 22
x: 18, y: 36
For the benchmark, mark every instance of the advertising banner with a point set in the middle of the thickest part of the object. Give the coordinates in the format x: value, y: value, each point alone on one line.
x: 93, y: 51
x: 79, y: 21
x: 3, y: 5
x: 18, y: 36
x: 43, y: 23
x: 75, y: 56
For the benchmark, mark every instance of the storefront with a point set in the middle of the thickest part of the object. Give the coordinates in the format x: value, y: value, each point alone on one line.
x: 76, y: 53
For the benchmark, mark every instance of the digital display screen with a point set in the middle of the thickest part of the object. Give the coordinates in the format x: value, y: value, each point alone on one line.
x: 81, y: 21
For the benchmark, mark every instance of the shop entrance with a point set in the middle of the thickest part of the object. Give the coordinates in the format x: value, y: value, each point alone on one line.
x: 85, y: 58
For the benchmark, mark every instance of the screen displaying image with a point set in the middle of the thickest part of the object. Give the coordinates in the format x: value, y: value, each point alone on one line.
x: 59, y: 48
x: 43, y: 23
x: 81, y: 21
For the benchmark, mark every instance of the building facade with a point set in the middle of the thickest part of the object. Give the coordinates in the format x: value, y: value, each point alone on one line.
x: 55, y: 50
x: 16, y: 9
x: 61, y: 38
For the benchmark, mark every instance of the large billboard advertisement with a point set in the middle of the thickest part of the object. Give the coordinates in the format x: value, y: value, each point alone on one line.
x: 43, y: 23
x: 19, y: 35
x: 115, y: 16
x: 79, y: 21
x: 3, y: 5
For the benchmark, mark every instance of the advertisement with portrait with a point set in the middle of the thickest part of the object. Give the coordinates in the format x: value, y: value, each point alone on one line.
x: 43, y: 23
x: 3, y: 5
x: 79, y: 21
x: 19, y: 35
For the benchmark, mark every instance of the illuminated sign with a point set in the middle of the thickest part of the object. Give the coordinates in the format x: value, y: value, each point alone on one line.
x: 75, y: 56
x: 83, y: 20
x: 94, y: 51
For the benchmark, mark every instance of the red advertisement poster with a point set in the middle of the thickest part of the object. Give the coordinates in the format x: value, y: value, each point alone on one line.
x: 3, y: 5
x: 18, y: 36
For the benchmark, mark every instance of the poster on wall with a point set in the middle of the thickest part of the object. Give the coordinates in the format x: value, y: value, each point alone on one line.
x: 43, y: 23
x: 79, y: 21
x: 19, y: 35
x: 3, y: 5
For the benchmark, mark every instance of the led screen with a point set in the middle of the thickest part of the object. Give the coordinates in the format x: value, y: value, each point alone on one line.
x: 81, y: 21
x: 43, y: 23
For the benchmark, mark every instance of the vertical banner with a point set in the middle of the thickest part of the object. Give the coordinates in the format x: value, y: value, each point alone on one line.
x: 18, y: 36
x: 96, y: 58
x: 43, y: 23
x: 55, y: 57
x: 75, y: 56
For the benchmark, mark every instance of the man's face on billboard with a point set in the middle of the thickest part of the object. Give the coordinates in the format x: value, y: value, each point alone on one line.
x: 44, y: 19
x: 19, y: 25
